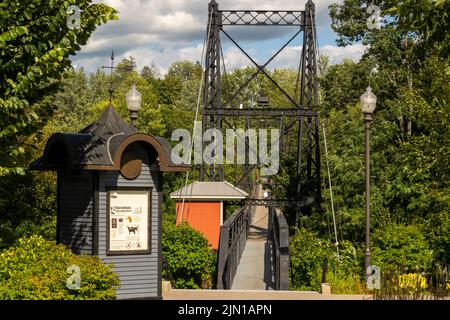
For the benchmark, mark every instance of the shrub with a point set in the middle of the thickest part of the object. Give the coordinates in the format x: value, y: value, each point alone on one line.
x: 186, y: 251
x: 345, y: 283
x: 346, y: 274
x: 400, y: 247
x: 35, y: 269
x: 308, y: 253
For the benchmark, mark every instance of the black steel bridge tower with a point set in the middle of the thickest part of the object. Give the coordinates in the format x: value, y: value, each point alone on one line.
x: 301, y: 117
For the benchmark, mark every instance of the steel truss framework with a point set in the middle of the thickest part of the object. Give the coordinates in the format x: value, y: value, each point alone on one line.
x: 301, y: 202
x: 216, y: 110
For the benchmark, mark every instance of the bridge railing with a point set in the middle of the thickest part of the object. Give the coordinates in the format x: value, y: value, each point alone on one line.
x: 279, y: 238
x: 233, y: 237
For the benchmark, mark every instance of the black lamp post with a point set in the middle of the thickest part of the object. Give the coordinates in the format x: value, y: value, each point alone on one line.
x: 368, y: 105
x: 133, y: 99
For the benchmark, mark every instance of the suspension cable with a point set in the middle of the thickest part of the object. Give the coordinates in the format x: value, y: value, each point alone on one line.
x: 331, y: 191
x: 297, y: 80
x: 205, y: 42
x: 316, y: 42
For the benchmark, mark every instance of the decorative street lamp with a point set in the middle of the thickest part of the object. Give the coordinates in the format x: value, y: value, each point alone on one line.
x: 134, y: 99
x: 368, y: 105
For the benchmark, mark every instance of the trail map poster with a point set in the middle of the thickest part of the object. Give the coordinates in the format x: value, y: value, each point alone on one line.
x: 128, y: 221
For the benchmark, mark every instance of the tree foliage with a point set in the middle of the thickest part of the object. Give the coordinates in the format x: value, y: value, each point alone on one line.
x: 399, y: 247
x: 313, y: 257
x: 28, y: 208
x: 35, y: 46
x: 406, y: 62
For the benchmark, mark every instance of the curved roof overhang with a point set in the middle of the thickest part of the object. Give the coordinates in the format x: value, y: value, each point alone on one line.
x: 77, y: 146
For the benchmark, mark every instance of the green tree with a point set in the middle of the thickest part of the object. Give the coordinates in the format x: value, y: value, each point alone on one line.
x: 179, y: 75
x: 35, y: 46
x: 150, y: 117
x: 99, y: 84
x: 407, y: 64
x: 167, y: 89
x: 151, y: 72
x: 400, y: 247
x: 71, y: 104
x: 437, y: 232
x: 342, y: 84
x: 184, y: 70
x: 28, y: 208
x: 124, y: 68
x: 429, y: 19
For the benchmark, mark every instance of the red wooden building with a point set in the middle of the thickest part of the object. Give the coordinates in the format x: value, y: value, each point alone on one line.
x: 204, y: 206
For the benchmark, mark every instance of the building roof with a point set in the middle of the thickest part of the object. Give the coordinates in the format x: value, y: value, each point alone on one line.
x: 209, y: 190
x: 99, y: 146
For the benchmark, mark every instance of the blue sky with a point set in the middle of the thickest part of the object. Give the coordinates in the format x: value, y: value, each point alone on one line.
x: 165, y: 31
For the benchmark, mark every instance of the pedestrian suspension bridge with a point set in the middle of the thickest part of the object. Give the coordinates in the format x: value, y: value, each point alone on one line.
x: 253, y: 249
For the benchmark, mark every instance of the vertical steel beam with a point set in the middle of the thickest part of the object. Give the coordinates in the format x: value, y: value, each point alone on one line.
x: 212, y: 98
x: 308, y: 166
x: 247, y: 167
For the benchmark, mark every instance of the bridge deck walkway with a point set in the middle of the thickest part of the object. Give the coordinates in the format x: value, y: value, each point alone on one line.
x: 255, y: 270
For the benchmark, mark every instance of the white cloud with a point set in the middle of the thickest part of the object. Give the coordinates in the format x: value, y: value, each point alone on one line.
x: 145, y: 57
x: 290, y: 56
x: 169, y: 21
x: 337, y: 54
x: 235, y: 59
x: 164, y: 31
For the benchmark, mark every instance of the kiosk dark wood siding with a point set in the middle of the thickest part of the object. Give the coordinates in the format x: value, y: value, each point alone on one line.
x: 139, y: 274
x: 75, y: 223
